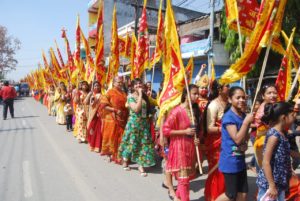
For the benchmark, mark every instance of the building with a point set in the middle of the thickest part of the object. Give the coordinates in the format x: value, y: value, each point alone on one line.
x: 193, y: 28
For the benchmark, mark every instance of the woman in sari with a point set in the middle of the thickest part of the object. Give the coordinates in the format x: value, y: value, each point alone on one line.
x: 114, y: 119
x: 181, y: 131
x: 269, y: 95
x: 214, y: 185
x: 137, y: 145
x: 50, y: 101
x: 94, y: 136
x: 82, y: 112
x: 60, y: 104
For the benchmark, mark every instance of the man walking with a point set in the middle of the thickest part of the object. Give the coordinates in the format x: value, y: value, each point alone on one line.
x: 8, y: 94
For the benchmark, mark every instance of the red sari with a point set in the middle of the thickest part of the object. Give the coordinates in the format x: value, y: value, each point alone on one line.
x: 215, y: 183
x: 94, y: 135
x: 181, y: 157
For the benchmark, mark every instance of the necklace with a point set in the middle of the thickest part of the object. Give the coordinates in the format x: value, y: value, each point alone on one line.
x: 221, y: 102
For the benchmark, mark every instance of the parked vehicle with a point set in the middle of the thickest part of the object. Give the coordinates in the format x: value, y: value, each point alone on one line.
x: 24, y: 89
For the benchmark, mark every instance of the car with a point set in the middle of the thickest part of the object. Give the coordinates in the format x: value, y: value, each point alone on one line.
x: 24, y: 89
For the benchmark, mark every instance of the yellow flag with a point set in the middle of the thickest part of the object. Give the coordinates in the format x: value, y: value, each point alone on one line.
x: 114, y: 60
x: 172, y: 66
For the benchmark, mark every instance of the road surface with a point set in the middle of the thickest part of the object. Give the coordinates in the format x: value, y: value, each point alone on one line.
x: 40, y: 161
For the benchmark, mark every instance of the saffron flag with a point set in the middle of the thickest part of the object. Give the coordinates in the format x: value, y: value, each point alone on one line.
x: 172, y: 66
x: 159, y: 47
x: 132, y: 55
x: 90, y: 67
x: 80, y: 71
x: 55, y: 65
x: 59, y: 55
x: 71, y: 64
x: 246, y: 13
x: 269, y: 22
x: 243, y: 11
x: 100, y: 61
x: 141, y: 60
x: 114, y: 60
x: 284, y: 78
x: 189, y: 69
x: 128, y: 46
x: 46, y: 64
x: 122, y: 46
x: 295, y: 57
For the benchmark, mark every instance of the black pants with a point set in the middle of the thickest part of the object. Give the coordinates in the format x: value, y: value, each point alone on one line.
x: 8, y: 103
x: 69, y: 122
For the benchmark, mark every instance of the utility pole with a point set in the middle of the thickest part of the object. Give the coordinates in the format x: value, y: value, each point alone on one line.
x: 211, y: 37
x: 136, y: 7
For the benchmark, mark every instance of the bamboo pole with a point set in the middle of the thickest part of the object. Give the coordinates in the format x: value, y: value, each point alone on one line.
x: 294, y: 84
x: 262, y: 72
x: 152, y: 78
x: 243, y: 80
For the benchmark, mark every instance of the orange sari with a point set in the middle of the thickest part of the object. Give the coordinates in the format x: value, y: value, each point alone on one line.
x: 113, y: 124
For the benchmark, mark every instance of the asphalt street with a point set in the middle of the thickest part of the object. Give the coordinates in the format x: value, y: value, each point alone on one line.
x: 40, y: 161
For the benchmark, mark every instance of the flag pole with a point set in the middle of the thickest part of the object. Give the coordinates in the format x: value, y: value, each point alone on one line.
x: 262, y: 72
x: 240, y: 41
x: 152, y: 78
x: 193, y: 122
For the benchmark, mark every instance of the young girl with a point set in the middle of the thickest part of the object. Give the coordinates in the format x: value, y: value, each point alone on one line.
x: 179, y: 128
x: 137, y: 145
x: 269, y: 95
x: 235, y: 125
x: 276, y: 169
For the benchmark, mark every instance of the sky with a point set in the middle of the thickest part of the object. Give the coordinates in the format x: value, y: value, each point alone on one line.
x: 37, y: 23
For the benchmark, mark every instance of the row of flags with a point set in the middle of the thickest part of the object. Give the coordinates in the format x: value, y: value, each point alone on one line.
x: 260, y: 23
x: 136, y: 50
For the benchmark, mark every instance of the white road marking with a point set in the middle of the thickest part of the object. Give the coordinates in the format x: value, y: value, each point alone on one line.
x: 27, y: 180
x: 24, y: 123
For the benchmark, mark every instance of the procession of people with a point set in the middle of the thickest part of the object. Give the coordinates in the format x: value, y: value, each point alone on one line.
x: 123, y: 119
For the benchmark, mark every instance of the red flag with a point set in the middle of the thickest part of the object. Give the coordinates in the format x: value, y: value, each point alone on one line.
x: 141, y: 60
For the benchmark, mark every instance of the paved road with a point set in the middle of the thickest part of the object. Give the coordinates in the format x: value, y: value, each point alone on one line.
x: 40, y: 161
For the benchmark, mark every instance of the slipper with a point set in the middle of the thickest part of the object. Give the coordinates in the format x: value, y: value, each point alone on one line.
x: 164, y: 186
x: 126, y: 168
x: 142, y: 172
x: 170, y: 196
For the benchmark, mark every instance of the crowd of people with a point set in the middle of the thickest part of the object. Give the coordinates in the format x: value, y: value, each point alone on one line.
x: 120, y: 125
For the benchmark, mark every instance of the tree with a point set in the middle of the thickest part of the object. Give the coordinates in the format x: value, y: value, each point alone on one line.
x: 8, y: 47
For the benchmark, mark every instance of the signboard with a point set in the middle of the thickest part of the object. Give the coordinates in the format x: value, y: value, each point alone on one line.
x: 195, y: 49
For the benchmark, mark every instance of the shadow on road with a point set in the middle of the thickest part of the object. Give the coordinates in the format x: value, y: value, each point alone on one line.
x: 24, y: 117
x: 15, y: 129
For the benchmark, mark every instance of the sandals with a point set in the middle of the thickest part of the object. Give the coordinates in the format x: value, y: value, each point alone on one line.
x: 126, y: 168
x: 142, y: 172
